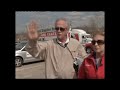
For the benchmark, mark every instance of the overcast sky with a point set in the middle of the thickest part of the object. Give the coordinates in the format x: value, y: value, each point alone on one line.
x: 46, y: 19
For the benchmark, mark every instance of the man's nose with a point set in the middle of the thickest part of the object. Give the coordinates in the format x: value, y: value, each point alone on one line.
x: 59, y: 30
x: 96, y: 43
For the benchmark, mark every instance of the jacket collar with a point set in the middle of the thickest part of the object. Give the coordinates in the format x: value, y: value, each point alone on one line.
x: 63, y: 44
x: 92, y: 57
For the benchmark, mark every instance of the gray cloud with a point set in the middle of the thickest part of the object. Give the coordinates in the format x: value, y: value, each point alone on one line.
x: 47, y: 18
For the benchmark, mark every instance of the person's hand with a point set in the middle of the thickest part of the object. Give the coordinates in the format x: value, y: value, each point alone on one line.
x: 32, y: 33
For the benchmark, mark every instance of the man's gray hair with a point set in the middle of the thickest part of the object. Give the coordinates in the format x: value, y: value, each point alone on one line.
x: 64, y: 19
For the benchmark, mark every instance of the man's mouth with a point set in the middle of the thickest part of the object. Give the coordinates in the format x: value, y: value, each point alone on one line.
x: 59, y: 33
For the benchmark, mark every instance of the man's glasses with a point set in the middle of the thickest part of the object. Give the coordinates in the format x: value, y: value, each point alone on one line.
x: 60, y: 28
x: 99, y: 42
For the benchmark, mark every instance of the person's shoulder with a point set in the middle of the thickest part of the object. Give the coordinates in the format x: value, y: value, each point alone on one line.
x: 45, y: 42
x: 51, y: 41
x: 89, y: 57
x: 74, y: 40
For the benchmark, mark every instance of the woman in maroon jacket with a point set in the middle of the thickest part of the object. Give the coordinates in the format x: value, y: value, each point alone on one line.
x: 93, y: 67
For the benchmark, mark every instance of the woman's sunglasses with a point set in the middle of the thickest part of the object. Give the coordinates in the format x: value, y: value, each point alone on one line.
x: 99, y: 42
x: 60, y: 28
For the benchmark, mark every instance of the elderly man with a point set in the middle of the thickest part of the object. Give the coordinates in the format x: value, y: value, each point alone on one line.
x: 58, y: 53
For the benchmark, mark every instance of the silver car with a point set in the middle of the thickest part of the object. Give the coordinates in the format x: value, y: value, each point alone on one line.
x: 22, y: 56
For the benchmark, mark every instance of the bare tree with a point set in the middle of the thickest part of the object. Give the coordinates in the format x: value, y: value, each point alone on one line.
x: 96, y: 23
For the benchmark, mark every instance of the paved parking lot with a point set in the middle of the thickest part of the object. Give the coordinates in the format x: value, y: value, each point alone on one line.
x: 34, y: 70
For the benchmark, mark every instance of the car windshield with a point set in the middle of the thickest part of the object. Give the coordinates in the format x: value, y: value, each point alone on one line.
x: 20, y: 45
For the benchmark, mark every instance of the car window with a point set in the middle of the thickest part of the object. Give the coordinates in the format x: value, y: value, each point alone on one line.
x: 20, y: 45
x: 23, y: 49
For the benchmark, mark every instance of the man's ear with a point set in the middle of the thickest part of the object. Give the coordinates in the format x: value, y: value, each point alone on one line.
x: 67, y: 31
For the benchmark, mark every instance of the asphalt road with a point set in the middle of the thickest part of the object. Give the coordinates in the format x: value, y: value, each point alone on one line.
x: 34, y: 70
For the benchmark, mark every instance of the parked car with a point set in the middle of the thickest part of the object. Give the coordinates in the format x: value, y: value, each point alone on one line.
x: 88, y: 48
x: 22, y: 56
